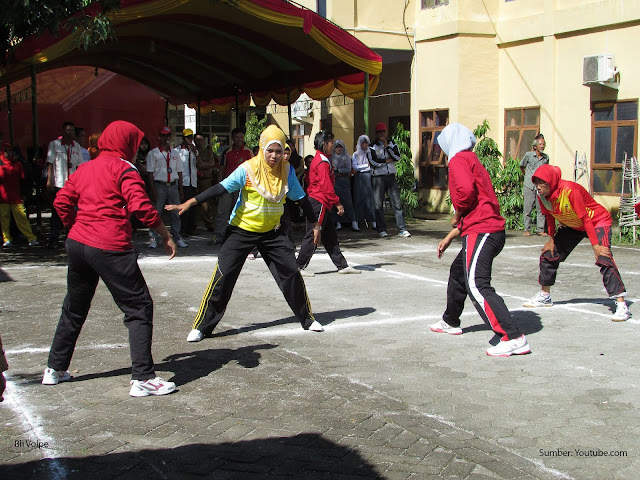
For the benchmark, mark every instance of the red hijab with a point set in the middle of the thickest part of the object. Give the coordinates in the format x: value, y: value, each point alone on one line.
x: 120, y: 139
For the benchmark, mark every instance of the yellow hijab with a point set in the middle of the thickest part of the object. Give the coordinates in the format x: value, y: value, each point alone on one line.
x: 270, y: 182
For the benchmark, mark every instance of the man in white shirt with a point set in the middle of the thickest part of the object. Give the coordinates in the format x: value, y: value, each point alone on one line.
x: 63, y: 157
x: 164, y: 168
x: 188, y: 153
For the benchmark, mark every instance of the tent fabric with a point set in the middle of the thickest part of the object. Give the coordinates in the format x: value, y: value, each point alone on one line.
x: 212, y: 50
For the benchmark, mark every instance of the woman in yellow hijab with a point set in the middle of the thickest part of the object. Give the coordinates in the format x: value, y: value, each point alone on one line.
x: 263, y: 182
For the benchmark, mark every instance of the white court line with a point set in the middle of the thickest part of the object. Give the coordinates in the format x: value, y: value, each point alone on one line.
x: 15, y: 397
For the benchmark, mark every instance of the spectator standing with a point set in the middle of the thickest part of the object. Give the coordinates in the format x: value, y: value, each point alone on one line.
x: 11, y: 174
x: 81, y: 138
x: 232, y: 158
x: 93, y: 149
x: 579, y: 216
x: 343, y: 172
x: 478, y: 220
x: 164, y: 170
x: 141, y: 162
x: 529, y: 164
x: 106, y: 191
x: 188, y: 152
x: 363, y: 202
x: 207, y: 164
x: 384, y: 155
x: 323, y: 198
x: 64, y: 155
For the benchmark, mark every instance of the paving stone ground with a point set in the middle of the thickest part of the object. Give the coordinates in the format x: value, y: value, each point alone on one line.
x: 377, y: 395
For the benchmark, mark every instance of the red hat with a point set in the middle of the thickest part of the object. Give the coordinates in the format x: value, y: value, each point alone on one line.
x: 165, y: 131
x: 381, y: 126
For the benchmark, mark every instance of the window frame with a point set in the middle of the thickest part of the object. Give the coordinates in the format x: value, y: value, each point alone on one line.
x: 614, y: 124
x: 519, y: 128
x: 436, y: 3
x: 298, y: 138
x: 426, y: 168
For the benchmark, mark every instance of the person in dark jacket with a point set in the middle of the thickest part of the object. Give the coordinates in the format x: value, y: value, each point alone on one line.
x: 95, y: 204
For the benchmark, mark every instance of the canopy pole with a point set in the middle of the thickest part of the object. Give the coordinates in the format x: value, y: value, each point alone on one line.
x: 166, y: 112
x: 366, y: 103
x: 10, y: 112
x: 237, y: 108
x: 289, y: 112
x: 36, y: 140
x: 198, y: 120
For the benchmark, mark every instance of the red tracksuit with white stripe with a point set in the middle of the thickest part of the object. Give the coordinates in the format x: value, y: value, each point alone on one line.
x: 483, y: 237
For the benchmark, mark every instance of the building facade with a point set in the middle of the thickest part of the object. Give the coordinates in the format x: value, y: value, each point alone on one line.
x: 565, y: 68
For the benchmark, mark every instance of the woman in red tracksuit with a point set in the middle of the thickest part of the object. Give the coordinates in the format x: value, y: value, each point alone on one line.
x: 323, y: 198
x: 579, y: 216
x: 95, y: 204
x: 478, y: 220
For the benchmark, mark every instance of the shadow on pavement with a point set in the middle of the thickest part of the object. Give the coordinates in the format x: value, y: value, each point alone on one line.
x: 306, y: 455
x: 325, y: 318
x: 528, y: 322
x: 186, y: 367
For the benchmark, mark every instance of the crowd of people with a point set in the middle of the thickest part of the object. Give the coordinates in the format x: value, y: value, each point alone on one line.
x: 120, y: 183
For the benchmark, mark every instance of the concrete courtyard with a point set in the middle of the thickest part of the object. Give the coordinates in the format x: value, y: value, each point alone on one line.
x: 377, y: 395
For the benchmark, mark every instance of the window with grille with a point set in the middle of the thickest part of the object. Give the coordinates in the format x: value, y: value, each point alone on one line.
x: 614, y: 132
x: 521, y: 125
x: 298, y: 137
x: 432, y: 165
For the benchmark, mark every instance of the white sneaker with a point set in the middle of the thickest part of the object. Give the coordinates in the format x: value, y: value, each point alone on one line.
x: 153, y: 386
x: 622, y: 313
x: 541, y: 299
x: 443, y: 327
x: 304, y: 273
x: 338, y: 226
x: 404, y: 233
x: 34, y: 243
x: 53, y: 377
x: 181, y: 243
x: 315, y: 327
x: 195, y: 336
x: 517, y: 346
x: 6, y: 244
x: 348, y: 270
x: 382, y: 234
x: 153, y: 242
x: 354, y: 226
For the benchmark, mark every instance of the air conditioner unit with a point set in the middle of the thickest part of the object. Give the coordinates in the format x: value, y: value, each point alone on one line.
x: 598, y: 69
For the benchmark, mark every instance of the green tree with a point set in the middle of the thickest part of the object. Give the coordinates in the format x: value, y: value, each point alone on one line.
x: 254, y: 128
x: 506, y: 179
x: 405, y: 171
x: 22, y: 18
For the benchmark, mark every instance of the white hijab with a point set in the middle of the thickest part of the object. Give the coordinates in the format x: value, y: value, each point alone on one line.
x: 456, y: 138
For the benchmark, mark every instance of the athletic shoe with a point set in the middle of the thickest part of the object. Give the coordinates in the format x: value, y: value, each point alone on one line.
x: 354, y: 226
x: 541, y: 299
x: 348, y: 270
x: 622, y: 313
x: 195, y: 336
x: 304, y: 273
x: 153, y: 386
x: 404, y: 233
x: 382, y: 234
x: 506, y: 348
x: 443, y: 327
x: 315, y: 327
x: 34, y: 243
x: 181, y: 243
x: 251, y: 256
x: 53, y: 377
x: 6, y: 244
x: 215, y: 240
x: 153, y: 243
